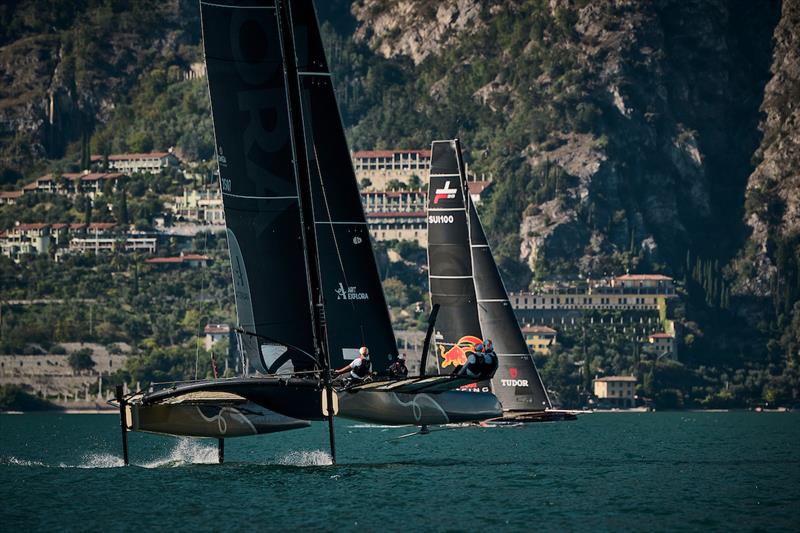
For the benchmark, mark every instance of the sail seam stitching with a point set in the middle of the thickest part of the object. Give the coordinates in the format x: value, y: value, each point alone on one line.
x: 260, y: 197
x: 236, y: 7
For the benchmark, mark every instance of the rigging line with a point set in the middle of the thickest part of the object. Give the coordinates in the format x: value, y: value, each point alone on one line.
x: 328, y: 210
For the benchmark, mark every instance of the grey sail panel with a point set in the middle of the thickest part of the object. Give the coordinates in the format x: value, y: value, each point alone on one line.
x: 258, y: 181
x: 355, y: 305
x: 449, y: 260
x: 516, y: 383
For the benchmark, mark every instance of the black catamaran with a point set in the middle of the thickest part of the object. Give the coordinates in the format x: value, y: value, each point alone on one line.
x: 466, y: 283
x: 306, y: 284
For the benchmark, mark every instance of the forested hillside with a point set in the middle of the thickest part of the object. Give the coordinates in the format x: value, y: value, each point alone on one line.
x: 643, y: 136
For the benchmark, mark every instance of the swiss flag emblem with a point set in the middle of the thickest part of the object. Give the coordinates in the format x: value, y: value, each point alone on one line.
x: 513, y: 373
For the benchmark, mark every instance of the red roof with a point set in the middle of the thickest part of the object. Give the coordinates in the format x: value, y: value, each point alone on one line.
x: 31, y: 186
x: 94, y: 176
x: 390, y: 153
x: 217, y: 328
x: 397, y: 214
x: 31, y: 226
x: 100, y: 226
x: 393, y: 194
x: 64, y: 225
x: 661, y: 336
x: 10, y: 194
x: 125, y: 157
x: 643, y: 277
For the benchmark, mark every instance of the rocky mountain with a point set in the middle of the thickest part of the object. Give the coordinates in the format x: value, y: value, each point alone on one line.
x: 66, y: 66
x: 622, y: 135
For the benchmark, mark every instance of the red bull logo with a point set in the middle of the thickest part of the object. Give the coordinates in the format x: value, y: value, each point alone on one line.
x: 457, y: 355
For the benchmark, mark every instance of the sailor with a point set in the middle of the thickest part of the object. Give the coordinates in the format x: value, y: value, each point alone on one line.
x: 398, y: 369
x: 490, y: 360
x: 359, y: 368
x: 472, y: 368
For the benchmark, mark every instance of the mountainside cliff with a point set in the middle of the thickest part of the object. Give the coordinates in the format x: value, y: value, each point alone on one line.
x: 644, y: 136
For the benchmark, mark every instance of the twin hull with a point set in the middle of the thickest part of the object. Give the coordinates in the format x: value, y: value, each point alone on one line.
x: 222, y: 416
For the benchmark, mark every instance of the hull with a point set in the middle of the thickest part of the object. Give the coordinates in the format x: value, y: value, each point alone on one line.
x: 253, y: 406
x: 392, y: 408
x: 216, y: 420
x: 527, y: 417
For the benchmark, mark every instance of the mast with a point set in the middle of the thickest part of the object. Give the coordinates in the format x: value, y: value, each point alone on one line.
x: 306, y: 208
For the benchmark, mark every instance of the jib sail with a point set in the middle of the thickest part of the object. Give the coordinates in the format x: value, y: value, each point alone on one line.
x: 355, y: 306
x: 516, y: 383
x: 449, y: 263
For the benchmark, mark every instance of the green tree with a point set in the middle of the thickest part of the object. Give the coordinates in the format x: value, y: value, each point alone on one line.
x: 81, y: 360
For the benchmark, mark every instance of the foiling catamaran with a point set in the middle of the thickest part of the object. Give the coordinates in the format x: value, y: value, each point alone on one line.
x: 465, y: 282
x: 306, y: 284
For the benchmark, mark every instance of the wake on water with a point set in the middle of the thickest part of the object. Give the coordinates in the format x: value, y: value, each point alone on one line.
x: 185, y: 452
x: 306, y: 458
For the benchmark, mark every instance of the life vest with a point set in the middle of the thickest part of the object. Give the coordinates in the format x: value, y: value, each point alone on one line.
x: 362, y: 370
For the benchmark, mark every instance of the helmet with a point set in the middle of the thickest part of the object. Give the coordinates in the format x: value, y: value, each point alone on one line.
x: 479, y: 347
x: 363, y: 351
x: 488, y: 345
x: 401, y: 357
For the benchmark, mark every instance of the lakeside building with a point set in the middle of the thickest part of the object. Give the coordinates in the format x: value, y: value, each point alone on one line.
x: 203, y: 205
x: 25, y: 239
x: 615, y: 391
x: 10, y: 197
x: 106, y: 242
x: 91, y: 184
x: 144, y: 163
x: 664, y: 344
x: 539, y: 338
x: 215, y: 333
x: 382, y: 166
x: 401, y: 226
x: 401, y: 215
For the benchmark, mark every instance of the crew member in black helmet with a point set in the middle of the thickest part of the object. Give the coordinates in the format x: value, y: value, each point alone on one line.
x: 398, y: 370
x: 359, y: 368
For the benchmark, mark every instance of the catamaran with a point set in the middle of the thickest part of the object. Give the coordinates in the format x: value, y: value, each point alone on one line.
x: 465, y: 282
x: 305, y: 280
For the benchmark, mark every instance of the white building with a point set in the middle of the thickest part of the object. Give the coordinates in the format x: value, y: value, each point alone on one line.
x: 24, y: 239
x: 215, y: 333
x: 203, y: 205
x: 148, y: 163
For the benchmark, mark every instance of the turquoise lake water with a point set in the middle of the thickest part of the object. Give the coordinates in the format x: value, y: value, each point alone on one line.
x: 646, y: 471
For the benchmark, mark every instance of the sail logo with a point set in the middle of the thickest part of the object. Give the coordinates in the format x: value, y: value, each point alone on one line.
x: 440, y: 219
x: 445, y: 193
x: 513, y: 382
x: 457, y: 355
x: 350, y: 293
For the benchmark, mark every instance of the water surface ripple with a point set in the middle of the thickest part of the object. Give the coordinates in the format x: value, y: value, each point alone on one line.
x: 605, y: 472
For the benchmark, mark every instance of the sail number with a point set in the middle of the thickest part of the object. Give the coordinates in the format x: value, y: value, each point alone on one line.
x: 440, y: 219
x: 226, y: 184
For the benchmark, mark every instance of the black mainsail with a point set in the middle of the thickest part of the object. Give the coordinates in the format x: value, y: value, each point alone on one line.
x: 450, y: 273
x: 516, y: 383
x: 258, y: 178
